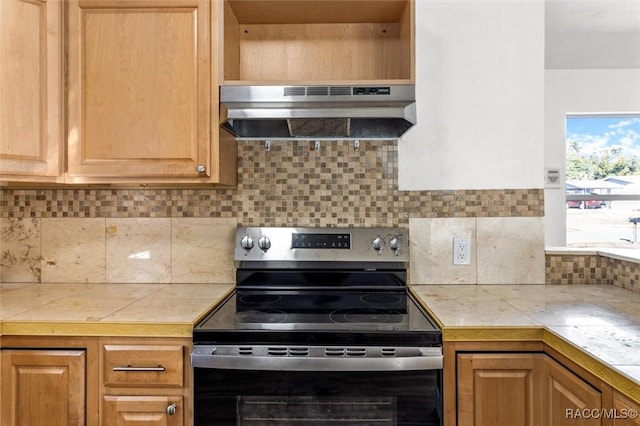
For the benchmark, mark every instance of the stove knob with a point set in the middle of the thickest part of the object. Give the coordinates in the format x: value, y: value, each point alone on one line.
x: 264, y: 243
x: 246, y: 242
x: 377, y: 244
x: 394, y: 245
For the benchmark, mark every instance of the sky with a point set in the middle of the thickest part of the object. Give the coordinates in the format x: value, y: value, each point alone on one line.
x: 599, y: 132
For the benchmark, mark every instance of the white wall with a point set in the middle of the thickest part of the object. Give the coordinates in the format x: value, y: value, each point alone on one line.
x: 479, y: 92
x: 579, y: 91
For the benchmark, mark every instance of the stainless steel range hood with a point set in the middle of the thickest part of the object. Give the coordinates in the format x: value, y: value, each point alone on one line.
x: 318, y: 112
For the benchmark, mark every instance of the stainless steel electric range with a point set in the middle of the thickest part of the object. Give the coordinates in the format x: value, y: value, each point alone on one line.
x: 320, y: 330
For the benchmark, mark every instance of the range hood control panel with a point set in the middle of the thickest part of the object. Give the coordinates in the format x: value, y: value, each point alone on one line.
x: 372, y: 90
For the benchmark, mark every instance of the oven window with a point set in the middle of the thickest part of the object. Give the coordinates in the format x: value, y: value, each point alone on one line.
x: 290, y: 411
x: 298, y: 398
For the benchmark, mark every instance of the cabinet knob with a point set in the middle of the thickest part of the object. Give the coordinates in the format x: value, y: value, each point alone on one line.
x: 201, y: 169
x: 171, y: 410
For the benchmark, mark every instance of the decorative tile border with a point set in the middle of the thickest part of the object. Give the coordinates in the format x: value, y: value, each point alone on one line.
x: 592, y: 269
x: 624, y: 274
x: 576, y: 269
x: 291, y: 184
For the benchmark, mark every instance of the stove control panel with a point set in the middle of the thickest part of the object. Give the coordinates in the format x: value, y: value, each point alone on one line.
x: 322, y: 244
x: 304, y: 240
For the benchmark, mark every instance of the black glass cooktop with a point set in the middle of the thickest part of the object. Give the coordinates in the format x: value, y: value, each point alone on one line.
x: 314, y: 316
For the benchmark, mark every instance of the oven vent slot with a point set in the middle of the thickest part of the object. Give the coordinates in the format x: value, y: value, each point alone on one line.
x: 277, y: 351
x: 345, y: 352
x: 298, y: 351
x: 312, y: 351
x: 245, y: 350
x: 334, y: 352
x: 285, y: 351
x: 360, y: 352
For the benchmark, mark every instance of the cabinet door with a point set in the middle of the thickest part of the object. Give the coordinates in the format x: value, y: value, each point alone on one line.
x: 627, y: 412
x: 139, y: 89
x: 569, y: 399
x: 147, y: 410
x: 499, y: 389
x: 43, y: 387
x: 31, y: 96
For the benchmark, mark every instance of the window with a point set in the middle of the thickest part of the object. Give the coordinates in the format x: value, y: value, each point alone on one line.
x: 603, y: 180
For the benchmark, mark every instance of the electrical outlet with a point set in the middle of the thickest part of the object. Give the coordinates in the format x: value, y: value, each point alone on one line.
x: 462, y: 251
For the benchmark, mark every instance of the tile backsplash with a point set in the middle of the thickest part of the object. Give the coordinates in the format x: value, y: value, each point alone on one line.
x: 93, y: 234
x: 563, y: 269
x: 117, y: 250
x: 291, y: 184
x: 503, y: 250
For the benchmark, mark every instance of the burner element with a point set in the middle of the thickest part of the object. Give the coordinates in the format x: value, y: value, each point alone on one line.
x: 258, y: 299
x: 381, y: 299
x: 261, y: 316
x: 364, y: 316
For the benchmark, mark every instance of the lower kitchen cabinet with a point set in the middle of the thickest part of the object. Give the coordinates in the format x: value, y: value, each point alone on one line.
x: 147, y: 410
x: 627, y: 412
x: 145, y: 381
x: 43, y: 387
x: 569, y: 398
x: 93, y: 381
x: 500, y: 389
x: 525, y: 385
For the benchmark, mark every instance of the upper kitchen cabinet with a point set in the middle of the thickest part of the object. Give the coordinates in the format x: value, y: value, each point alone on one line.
x: 31, y: 72
x: 140, y: 99
x: 327, y: 41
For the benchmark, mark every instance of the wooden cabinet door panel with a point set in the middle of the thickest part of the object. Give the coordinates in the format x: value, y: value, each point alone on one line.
x: 139, y: 88
x: 499, y: 389
x: 31, y: 96
x: 568, y: 396
x: 143, y: 410
x: 627, y: 412
x: 43, y: 387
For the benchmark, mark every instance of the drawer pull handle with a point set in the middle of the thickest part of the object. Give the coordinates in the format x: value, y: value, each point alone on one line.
x: 142, y: 369
x: 171, y: 410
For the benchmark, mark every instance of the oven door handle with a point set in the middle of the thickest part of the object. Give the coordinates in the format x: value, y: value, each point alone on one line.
x: 207, y: 357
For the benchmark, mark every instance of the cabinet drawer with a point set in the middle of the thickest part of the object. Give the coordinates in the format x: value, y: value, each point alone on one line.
x: 143, y: 365
x: 148, y: 410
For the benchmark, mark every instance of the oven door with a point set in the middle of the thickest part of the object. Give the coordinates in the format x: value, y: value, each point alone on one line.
x: 401, y: 395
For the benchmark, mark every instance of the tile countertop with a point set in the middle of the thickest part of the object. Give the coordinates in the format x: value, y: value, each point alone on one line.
x: 154, y: 310
x: 595, y: 325
x: 598, y: 323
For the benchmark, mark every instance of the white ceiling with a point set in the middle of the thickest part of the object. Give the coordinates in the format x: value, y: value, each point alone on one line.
x: 592, y: 34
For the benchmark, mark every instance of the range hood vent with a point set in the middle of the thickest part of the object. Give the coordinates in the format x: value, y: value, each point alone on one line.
x: 318, y: 112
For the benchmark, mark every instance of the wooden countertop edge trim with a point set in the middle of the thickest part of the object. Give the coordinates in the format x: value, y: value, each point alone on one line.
x: 607, y: 373
x: 93, y: 329
x: 490, y: 333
